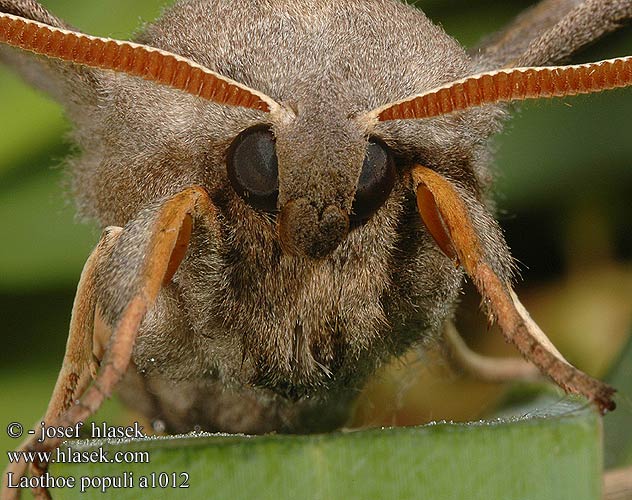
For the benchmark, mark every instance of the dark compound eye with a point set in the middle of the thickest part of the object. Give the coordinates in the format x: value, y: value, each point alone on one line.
x: 253, y: 168
x: 376, y: 181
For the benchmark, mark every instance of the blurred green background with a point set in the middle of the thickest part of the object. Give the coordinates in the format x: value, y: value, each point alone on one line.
x: 564, y: 171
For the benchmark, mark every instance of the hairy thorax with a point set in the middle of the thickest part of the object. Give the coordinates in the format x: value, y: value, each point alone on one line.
x: 244, y: 324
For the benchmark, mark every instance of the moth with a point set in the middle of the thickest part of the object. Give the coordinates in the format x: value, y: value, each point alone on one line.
x: 291, y: 193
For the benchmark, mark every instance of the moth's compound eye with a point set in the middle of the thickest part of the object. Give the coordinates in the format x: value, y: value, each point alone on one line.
x: 253, y: 168
x: 376, y: 181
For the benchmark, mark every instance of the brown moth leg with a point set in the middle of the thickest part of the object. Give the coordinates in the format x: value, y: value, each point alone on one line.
x: 79, y: 363
x: 437, y: 198
x: 170, y: 232
x: 486, y: 368
x: 618, y: 484
x: 170, y: 227
x: 75, y: 373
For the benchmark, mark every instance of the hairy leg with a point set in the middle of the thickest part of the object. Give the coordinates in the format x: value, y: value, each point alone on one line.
x: 120, y: 283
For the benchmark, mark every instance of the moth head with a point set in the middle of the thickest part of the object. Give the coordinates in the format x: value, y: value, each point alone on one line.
x: 319, y: 186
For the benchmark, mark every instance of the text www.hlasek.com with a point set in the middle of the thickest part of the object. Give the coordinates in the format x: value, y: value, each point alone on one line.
x: 69, y: 455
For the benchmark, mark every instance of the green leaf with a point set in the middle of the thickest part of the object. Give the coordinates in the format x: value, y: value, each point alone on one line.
x: 537, y: 457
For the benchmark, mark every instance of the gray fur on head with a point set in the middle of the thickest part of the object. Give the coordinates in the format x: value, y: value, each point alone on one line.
x: 282, y: 341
